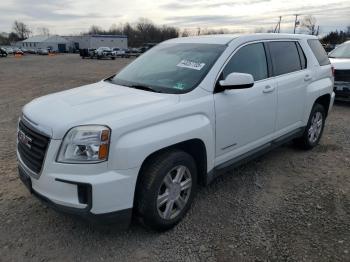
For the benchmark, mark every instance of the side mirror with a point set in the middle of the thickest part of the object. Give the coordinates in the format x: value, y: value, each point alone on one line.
x: 237, y: 81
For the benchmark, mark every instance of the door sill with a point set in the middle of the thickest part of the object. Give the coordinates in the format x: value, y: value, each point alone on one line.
x: 252, y: 154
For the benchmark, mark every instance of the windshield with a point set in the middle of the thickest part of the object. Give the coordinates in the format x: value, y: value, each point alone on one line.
x: 342, y: 51
x: 170, y: 68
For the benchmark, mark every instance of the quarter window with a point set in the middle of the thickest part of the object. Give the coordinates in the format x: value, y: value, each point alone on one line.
x: 319, y: 52
x: 249, y: 59
x: 285, y: 57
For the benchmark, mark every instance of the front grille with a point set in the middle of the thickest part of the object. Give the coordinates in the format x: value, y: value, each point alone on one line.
x: 33, y: 150
x: 342, y: 75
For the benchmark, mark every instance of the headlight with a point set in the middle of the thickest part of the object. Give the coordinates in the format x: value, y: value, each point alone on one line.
x: 85, y: 144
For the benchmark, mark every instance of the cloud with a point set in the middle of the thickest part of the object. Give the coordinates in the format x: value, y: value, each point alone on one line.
x: 204, y: 4
x: 74, y: 16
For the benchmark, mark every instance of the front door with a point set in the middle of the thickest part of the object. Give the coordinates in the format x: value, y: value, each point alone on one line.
x: 245, y: 118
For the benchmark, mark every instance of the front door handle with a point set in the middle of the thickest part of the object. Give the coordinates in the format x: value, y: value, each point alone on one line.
x: 268, y: 89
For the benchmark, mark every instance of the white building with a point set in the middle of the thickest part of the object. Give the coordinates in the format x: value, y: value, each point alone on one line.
x: 53, y: 42
x: 96, y: 41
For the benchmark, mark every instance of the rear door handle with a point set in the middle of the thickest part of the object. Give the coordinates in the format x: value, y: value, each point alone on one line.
x: 268, y: 89
x: 307, y: 78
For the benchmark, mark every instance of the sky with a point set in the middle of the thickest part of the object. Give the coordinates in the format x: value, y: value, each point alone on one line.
x: 75, y: 16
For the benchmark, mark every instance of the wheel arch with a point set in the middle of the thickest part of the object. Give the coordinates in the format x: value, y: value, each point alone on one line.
x: 195, y: 147
x: 324, y: 101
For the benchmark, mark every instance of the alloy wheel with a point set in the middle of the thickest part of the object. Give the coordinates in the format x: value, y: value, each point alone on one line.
x: 174, y: 192
x: 315, y: 127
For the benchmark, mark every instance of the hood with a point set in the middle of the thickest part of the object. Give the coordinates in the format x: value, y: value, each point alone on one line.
x: 340, y: 63
x: 91, y: 104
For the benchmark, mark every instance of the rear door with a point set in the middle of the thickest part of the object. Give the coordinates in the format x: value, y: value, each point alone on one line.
x: 292, y: 77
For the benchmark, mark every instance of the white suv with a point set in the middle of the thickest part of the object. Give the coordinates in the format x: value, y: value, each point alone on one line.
x: 185, y: 111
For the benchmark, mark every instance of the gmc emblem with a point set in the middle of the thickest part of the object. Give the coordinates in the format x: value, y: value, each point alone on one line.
x: 24, y: 139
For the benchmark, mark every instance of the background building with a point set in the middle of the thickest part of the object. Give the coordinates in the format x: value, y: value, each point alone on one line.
x: 96, y: 41
x: 53, y: 42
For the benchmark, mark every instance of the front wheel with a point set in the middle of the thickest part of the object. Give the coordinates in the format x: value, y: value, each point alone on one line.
x: 314, y: 128
x: 166, y: 189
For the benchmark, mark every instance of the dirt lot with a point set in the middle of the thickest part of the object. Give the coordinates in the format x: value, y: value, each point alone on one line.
x: 289, y: 205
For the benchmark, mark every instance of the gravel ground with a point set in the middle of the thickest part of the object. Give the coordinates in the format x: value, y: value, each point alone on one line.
x: 289, y: 205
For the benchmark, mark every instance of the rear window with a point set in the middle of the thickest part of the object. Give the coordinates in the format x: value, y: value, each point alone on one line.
x: 319, y: 52
x: 285, y: 57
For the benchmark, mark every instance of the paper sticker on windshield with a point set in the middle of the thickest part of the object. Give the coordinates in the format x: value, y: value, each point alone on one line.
x: 191, y: 64
x: 179, y: 86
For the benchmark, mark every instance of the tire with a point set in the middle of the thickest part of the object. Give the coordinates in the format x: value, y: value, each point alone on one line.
x: 314, y: 129
x: 159, y: 180
x: 113, y: 58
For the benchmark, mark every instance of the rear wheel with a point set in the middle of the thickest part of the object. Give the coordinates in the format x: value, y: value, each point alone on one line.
x: 166, y: 189
x: 314, y: 128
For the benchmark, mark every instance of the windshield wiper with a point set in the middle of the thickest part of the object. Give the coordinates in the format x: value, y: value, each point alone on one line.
x: 136, y: 86
x: 143, y: 87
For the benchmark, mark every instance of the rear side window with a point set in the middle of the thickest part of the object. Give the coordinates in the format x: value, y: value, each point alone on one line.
x: 319, y: 52
x: 285, y: 57
x: 249, y: 59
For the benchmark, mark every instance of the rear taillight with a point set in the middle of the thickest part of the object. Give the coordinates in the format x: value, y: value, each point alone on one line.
x: 333, y: 70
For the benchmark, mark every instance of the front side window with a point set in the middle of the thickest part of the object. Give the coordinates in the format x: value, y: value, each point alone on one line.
x: 170, y: 67
x: 249, y: 59
x: 285, y: 57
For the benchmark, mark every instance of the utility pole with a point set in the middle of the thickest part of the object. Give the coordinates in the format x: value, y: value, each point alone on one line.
x: 278, y: 26
x: 296, y: 22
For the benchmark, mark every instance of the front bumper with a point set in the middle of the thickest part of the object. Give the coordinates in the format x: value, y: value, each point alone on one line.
x: 91, y: 191
x: 120, y: 217
x: 342, y: 90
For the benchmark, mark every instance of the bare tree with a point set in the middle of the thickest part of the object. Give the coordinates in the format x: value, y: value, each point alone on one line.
x: 94, y: 29
x: 21, y: 29
x: 309, y: 23
x: 116, y: 29
x: 140, y: 33
x: 43, y: 31
x: 185, y: 33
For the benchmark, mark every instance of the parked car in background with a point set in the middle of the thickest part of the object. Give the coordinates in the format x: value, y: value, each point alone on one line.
x: 134, y: 52
x: 141, y: 141
x: 119, y: 52
x: 9, y: 50
x: 104, y: 52
x: 87, y: 53
x: 42, y: 51
x: 3, y: 52
x: 146, y: 47
x: 31, y: 51
x: 18, y: 51
x: 340, y: 59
